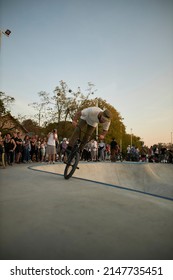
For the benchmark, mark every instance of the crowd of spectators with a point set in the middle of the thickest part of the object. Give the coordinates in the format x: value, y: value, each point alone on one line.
x: 156, y: 153
x: 28, y: 149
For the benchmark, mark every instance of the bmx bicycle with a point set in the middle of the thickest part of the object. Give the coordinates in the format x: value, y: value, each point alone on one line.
x: 74, y: 157
x: 72, y: 160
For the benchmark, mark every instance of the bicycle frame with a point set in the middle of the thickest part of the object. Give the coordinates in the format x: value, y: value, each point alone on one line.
x: 72, y: 163
x: 73, y: 158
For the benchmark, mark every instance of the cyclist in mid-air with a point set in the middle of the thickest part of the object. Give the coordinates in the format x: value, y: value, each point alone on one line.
x: 89, y: 118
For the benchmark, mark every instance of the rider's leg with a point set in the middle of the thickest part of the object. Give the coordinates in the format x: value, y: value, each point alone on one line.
x: 87, y: 136
x: 76, y: 133
x: 74, y: 137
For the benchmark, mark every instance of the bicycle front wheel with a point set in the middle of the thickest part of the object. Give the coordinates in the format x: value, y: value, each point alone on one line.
x: 71, y: 165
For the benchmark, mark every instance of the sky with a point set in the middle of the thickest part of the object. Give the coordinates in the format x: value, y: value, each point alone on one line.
x: 123, y: 47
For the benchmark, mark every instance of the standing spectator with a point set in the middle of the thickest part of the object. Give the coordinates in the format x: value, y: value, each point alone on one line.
x: 108, y: 152
x: 163, y: 154
x: 63, y: 147
x: 38, y: 146
x: 19, y: 147
x: 151, y: 154
x: 10, y: 147
x: 114, y: 149
x: 34, y: 150
x: 26, y: 149
x: 43, y: 150
x: 15, y: 139
x: 94, y: 150
x: 143, y: 153
x: 57, y: 147
x: 86, y: 154
x: 1, y: 144
x: 156, y: 154
x: 137, y: 152
x: 133, y: 153
x: 51, y: 145
x: 128, y: 153
x: 101, y: 150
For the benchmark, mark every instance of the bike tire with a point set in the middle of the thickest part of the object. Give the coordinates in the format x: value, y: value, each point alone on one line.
x: 71, y: 165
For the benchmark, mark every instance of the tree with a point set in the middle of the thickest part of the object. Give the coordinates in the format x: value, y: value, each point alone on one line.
x: 58, y: 110
x: 5, y: 102
x: 67, y: 101
x: 32, y: 126
x: 41, y: 108
x: 61, y: 106
x: 117, y: 128
x: 64, y: 128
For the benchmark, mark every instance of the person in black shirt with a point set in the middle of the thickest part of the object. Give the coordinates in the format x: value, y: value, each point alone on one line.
x: 19, y: 147
x: 114, y: 149
x: 10, y: 147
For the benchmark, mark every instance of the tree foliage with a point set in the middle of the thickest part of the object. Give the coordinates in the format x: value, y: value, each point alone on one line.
x: 32, y: 126
x: 5, y: 102
x: 41, y: 107
x: 57, y: 110
x: 61, y: 106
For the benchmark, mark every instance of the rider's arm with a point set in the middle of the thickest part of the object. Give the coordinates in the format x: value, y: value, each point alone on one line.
x: 105, y: 130
x: 103, y: 134
x: 76, y: 117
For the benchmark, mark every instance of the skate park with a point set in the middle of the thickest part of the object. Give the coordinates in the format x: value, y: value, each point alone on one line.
x: 105, y: 211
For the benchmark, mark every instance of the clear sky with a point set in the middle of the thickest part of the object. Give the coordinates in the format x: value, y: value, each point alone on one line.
x: 124, y: 47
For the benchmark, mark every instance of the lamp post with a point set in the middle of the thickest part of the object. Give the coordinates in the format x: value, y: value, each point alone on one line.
x: 121, y: 136
x: 91, y: 90
x: 171, y: 139
x: 97, y: 125
x: 6, y: 33
x: 131, y: 138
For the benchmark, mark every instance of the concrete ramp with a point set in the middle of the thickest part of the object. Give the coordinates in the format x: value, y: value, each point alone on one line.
x: 149, y: 178
x: 45, y: 217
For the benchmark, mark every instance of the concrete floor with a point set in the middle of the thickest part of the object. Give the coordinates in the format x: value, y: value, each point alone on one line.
x: 43, y: 216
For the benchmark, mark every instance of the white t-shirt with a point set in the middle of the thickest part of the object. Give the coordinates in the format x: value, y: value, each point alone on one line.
x: 90, y: 115
x: 51, y: 140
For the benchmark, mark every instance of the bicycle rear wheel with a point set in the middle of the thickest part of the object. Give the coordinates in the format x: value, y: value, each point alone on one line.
x: 71, y: 165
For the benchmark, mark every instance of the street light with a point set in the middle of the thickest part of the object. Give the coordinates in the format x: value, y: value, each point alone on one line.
x: 6, y: 33
x: 97, y: 129
x: 131, y: 137
x: 121, y: 136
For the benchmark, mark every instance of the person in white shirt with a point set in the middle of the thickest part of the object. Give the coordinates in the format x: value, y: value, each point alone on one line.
x: 94, y: 150
x: 89, y: 119
x: 51, y: 145
x: 101, y: 150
